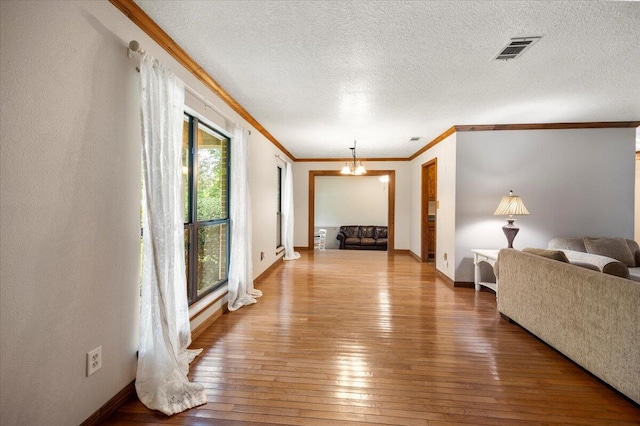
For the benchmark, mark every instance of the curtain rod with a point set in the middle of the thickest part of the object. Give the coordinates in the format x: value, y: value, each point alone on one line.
x: 134, y: 47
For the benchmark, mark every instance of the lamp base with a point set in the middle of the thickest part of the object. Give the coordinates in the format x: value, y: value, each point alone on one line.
x: 510, y: 231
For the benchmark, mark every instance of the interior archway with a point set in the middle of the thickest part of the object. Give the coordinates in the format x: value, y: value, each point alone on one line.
x: 390, y: 198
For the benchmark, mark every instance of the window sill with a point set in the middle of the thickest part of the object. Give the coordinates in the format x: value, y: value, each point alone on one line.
x: 204, y: 303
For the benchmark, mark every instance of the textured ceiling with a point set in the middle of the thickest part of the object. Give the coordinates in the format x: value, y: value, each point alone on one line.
x: 319, y: 74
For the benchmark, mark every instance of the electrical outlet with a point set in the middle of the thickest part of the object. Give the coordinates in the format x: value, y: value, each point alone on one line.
x: 445, y: 256
x: 94, y: 360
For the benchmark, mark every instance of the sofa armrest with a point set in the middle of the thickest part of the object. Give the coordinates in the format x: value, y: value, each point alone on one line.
x: 603, y: 264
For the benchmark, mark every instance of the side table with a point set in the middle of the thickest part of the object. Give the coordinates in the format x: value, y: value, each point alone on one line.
x: 488, y: 256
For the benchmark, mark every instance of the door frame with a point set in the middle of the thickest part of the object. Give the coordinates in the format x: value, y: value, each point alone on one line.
x: 391, y: 198
x: 424, y: 208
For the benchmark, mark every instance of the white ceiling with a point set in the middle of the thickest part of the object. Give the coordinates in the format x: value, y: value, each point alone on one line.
x: 317, y: 74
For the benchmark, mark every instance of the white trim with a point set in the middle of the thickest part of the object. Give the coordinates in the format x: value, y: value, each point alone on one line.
x: 204, y: 303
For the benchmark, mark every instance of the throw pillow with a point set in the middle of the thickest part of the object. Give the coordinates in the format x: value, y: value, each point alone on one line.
x: 550, y: 254
x: 615, y: 248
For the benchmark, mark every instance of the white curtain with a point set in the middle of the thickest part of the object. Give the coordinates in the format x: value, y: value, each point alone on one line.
x: 163, y: 358
x: 240, y: 284
x: 287, y: 214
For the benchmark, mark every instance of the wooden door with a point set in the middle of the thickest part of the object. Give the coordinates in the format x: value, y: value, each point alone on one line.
x: 429, y: 210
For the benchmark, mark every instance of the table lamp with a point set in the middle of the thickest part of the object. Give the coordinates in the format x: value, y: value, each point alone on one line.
x: 511, y: 205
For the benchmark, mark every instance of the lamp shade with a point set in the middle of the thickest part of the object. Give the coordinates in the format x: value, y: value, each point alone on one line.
x: 511, y: 205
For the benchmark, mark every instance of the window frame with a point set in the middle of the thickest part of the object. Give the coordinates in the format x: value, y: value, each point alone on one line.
x: 193, y: 225
x: 280, y: 174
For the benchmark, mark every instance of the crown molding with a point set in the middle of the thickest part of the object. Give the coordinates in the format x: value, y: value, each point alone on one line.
x: 488, y: 127
x: 347, y: 159
x: 527, y: 126
x: 153, y: 30
x: 547, y: 126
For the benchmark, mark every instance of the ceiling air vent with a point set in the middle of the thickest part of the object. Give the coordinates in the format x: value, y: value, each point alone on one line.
x: 516, y: 47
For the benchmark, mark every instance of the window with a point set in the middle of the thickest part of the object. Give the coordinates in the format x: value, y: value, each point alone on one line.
x: 279, y: 211
x: 205, y: 174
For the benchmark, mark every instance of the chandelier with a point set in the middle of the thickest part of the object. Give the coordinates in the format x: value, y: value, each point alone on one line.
x: 356, y: 168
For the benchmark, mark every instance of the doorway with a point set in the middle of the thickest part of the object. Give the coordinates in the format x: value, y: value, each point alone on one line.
x: 429, y: 209
x: 391, y: 196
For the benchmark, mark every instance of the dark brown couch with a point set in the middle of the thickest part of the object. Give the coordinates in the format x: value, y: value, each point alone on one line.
x: 363, y: 237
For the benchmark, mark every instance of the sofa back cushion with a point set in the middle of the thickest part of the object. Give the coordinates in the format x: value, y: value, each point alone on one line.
x: 367, y: 231
x: 616, y: 248
x: 350, y: 231
x: 381, y: 232
x: 575, y: 244
x: 635, y: 249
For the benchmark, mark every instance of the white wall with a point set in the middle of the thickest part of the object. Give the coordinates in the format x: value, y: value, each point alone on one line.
x: 445, y: 153
x: 356, y: 200
x: 573, y: 182
x: 352, y: 200
x: 264, y: 199
x: 70, y: 197
x: 402, y: 201
x: 70, y: 227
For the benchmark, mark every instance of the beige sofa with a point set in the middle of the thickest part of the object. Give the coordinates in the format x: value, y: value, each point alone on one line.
x: 591, y: 317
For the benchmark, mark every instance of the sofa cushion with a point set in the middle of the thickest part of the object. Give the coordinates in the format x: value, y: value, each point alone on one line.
x: 550, y: 254
x: 367, y: 231
x: 352, y: 241
x: 383, y: 242
x: 381, y: 232
x: 616, y: 248
x: 575, y: 244
x: 368, y: 241
x: 350, y: 231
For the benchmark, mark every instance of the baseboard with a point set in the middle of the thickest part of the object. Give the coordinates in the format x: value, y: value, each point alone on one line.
x: 302, y: 248
x: 267, y: 271
x: 445, y: 278
x: 415, y: 256
x: 112, y: 405
x: 452, y: 283
x: 206, y: 323
x: 400, y: 251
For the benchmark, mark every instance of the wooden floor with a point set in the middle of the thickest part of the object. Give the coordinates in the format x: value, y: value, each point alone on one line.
x: 352, y: 337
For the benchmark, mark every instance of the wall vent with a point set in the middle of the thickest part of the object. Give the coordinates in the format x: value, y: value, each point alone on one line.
x: 516, y: 47
x: 415, y: 138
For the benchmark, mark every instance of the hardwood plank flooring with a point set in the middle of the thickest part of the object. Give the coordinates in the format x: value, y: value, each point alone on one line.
x: 366, y: 338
